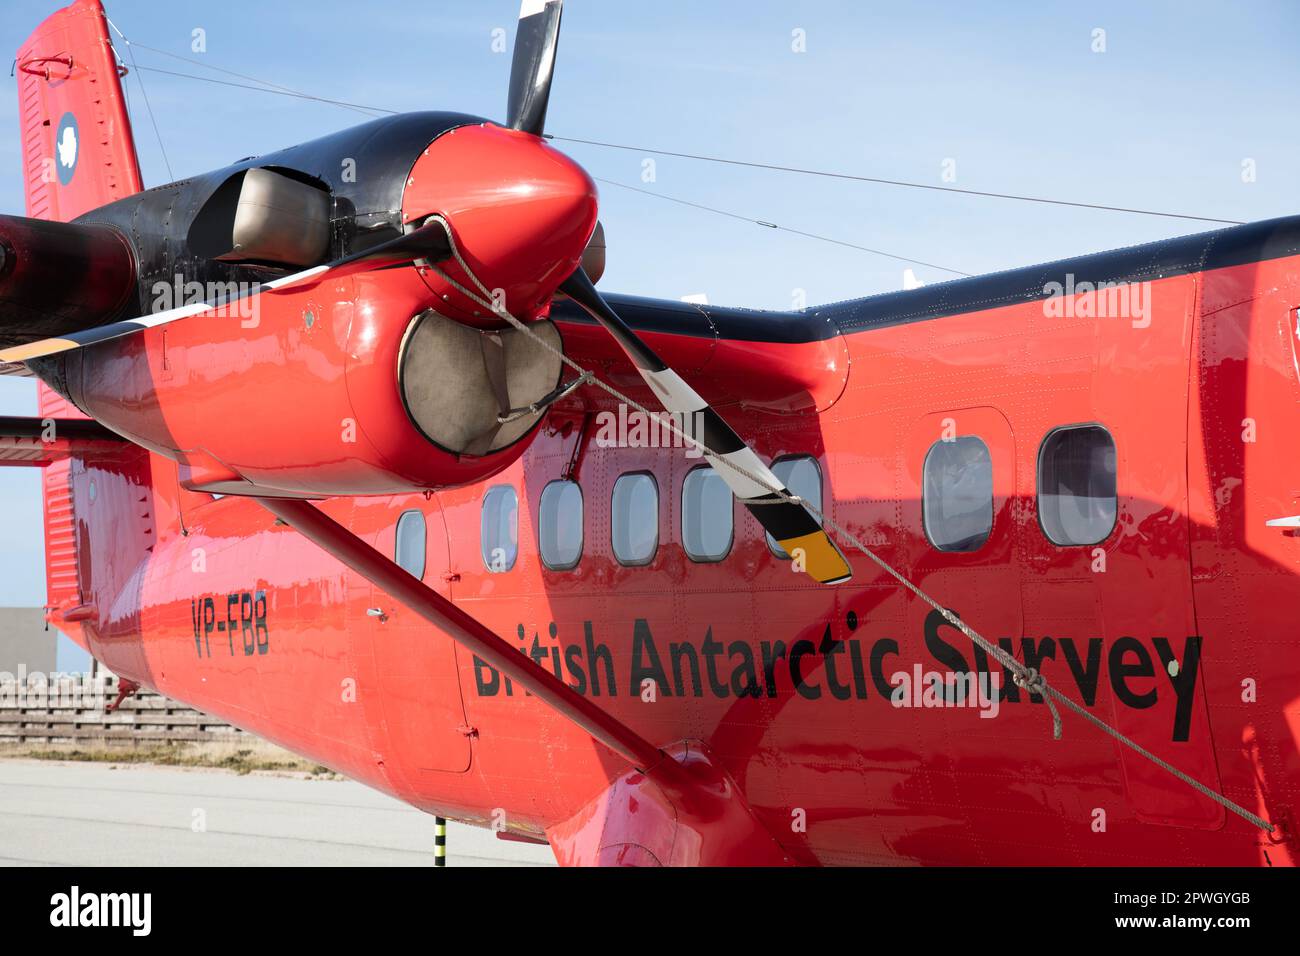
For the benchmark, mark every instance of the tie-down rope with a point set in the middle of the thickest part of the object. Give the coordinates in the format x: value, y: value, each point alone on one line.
x: 1022, y: 676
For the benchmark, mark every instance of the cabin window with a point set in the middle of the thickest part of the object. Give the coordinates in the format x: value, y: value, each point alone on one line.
x: 1076, y: 485
x: 500, y: 529
x: 707, y: 515
x: 559, y: 525
x: 634, y: 519
x: 409, y: 544
x: 957, y: 494
x: 803, y: 478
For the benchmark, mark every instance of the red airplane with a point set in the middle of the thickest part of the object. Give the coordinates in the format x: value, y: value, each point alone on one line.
x: 342, y: 445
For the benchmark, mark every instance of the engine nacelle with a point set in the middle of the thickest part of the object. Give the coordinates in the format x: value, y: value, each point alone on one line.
x: 60, y: 277
x: 350, y: 387
x: 383, y: 381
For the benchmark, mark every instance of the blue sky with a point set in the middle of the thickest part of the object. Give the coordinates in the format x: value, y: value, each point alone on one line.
x: 1012, y: 92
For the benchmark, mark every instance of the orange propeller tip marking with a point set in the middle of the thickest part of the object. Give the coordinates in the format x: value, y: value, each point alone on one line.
x: 33, y: 350
x: 822, y: 559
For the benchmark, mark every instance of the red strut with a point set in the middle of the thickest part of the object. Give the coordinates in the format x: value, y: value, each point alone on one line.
x: 316, y: 526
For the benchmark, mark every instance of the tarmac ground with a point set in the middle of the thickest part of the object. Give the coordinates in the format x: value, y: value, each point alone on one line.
x: 69, y: 813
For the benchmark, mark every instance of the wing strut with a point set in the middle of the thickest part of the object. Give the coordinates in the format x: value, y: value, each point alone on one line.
x: 677, y: 807
x: 316, y: 526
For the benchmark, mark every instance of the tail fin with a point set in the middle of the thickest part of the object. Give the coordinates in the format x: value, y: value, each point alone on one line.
x: 78, y: 151
x: 78, y: 155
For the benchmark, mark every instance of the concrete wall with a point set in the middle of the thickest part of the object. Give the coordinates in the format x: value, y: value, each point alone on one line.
x: 24, y: 640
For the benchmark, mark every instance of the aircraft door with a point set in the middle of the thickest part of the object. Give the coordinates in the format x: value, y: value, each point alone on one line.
x: 415, y: 710
x: 1107, y: 584
x: 1153, y: 643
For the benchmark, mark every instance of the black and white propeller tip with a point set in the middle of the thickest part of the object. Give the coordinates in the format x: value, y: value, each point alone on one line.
x: 533, y: 66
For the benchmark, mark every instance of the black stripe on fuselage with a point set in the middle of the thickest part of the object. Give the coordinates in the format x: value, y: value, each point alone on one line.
x: 1234, y: 246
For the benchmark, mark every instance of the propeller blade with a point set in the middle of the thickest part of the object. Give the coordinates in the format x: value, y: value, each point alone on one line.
x: 429, y: 242
x: 536, y: 42
x: 789, y: 523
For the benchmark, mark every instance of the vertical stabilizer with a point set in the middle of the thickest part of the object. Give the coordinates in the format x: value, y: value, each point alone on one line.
x: 78, y: 151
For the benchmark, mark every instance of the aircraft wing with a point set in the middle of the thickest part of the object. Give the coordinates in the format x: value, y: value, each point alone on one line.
x: 777, y: 361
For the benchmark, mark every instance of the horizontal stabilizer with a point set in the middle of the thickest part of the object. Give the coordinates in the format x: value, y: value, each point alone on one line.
x: 37, y: 442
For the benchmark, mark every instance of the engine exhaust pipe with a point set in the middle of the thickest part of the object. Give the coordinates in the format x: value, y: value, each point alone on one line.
x: 61, y: 277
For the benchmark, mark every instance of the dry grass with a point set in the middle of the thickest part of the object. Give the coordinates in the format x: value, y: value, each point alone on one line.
x: 243, y: 758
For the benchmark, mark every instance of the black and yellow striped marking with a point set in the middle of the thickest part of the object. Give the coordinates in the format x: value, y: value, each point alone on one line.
x: 821, y: 559
x: 789, y: 523
x: 439, y: 841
